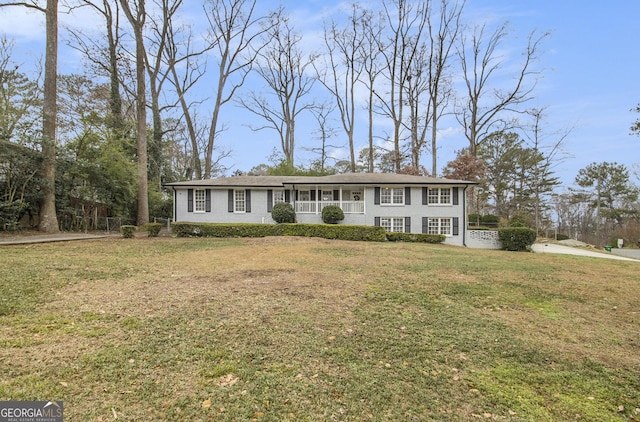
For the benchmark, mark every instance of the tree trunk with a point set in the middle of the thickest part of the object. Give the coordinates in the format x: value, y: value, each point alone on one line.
x: 141, y: 114
x: 48, y: 218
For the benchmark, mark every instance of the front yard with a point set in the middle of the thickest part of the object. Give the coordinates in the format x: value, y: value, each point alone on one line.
x: 297, y: 329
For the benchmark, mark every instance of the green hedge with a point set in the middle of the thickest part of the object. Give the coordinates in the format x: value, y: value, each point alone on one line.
x: 415, y: 237
x: 153, y: 229
x: 128, y: 231
x: 326, y: 231
x: 516, y: 238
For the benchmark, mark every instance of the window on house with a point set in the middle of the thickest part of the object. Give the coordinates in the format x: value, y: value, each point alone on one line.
x: 392, y: 224
x: 440, y: 226
x: 199, y: 200
x: 391, y: 196
x: 327, y: 195
x: 239, y: 201
x: 278, y: 196
x: 439, y: 196
x: 304, y: 195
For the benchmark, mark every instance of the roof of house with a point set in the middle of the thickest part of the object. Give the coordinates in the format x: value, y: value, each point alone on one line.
x: 366, y: 179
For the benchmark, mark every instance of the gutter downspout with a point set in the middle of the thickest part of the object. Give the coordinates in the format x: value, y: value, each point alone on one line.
x: 464, y: 216
x: 175, y: 203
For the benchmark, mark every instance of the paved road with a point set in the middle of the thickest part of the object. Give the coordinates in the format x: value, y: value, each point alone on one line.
x: 46, y: 238
x: 560, y: 249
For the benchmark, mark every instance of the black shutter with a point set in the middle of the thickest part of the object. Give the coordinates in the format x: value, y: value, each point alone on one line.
x: 376, y: 221
x: 425, y: 196
x: 456, y: 226
x: 190, y: 200
x: 207, y: 203
x: 407, y: 196
x: 376, y: 196
x: 287, y: 195
x: 454, y: 192
x: 247, y: 200
x: 425, y: 225
x: 313, y: 194
x: 230, y: 196
x: 336, y: 195
x: 296, y: 191
x: 269, y: 200
x: 407, y: 224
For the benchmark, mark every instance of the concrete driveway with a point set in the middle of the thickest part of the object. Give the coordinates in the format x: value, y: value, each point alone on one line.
x: 569, y: 250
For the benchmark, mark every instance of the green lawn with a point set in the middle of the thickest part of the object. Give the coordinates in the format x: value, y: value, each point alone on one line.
x: 294, y: 329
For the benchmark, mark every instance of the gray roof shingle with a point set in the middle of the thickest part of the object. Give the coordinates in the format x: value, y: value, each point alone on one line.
x: 365, y: 179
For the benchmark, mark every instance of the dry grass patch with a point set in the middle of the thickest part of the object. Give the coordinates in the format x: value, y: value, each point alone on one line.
x: 281, y: 329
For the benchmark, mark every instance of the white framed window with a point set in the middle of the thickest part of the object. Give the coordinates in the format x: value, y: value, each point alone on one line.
x: 439, y: 196
x: 199, y: 200
x: 304, y: 195
x: 391, y: 196
x: 392, y: 224
x: 440, y: 226
x: 327, y: 195
x: 239, y: 200
x: 278, y: 196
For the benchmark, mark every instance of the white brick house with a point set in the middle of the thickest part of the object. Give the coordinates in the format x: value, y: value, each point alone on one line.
x: 402, y: 203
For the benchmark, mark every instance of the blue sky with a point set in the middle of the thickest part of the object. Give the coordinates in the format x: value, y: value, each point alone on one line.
x: 590, y: 83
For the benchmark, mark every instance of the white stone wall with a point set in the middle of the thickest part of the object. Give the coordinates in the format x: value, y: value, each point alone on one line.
x: 483, y: 239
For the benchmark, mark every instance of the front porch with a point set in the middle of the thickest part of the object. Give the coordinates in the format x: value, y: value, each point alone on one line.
x: 315, y: 207
x: 313, y: 201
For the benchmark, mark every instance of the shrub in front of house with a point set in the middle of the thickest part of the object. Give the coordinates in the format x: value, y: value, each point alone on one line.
x: 283, y: 212
x: 153, y: 229
x: 342, y: 232
x: 415, y: 237
x: 332, y: 214
x: 128, y: 231
x: 516, y: 238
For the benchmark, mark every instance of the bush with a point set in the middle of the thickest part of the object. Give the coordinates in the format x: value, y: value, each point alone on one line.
x: 415, y: 237
x: 11, y: 213
x: 516, y: 238
x: 561, y: 236
x: 128, y: 231
x: 490, y: 220
x: 343, y: 232
x: 283, y: 212
x: 153, y: 229
x: 332, y: 214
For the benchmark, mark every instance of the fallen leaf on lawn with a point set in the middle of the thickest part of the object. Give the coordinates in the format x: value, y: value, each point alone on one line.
x: 226, y: 380
x: 64, y: 384
x: 206, y: 404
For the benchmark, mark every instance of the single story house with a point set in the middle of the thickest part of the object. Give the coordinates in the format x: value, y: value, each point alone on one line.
x: 397, y: 202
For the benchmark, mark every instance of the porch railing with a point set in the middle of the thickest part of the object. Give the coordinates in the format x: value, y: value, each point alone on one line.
x: 315, y: 207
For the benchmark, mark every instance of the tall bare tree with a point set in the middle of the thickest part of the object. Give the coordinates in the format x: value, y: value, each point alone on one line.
x: 284, y: 67
x: 406, y: 21
x: 235, y: 33
x: 186, y: 68
x: 158, y: 71
x: 371, y: 50
x: 342, y: 69
x: 48, y: 218
x: 551, y: 154
x: 486, y: 106
x: 136, y: 13
x: 105, y: 60
x: 443, y: 30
